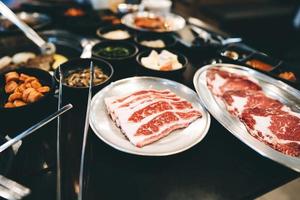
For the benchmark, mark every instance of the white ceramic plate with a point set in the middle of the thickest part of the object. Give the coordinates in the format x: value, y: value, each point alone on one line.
x: 175, y: 22
x: 274, y: 88
x: 176, y: 142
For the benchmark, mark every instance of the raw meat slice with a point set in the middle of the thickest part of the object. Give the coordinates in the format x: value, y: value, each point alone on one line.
x: 164, y: 124
x: 140, y: 92
x: 139, y: 102
x: 149, y: 115
x: 239, y: 84
x: 136, y: 99
x: 265, y: 118
x: 278, y: 128
x: 163, y: 119
x: 146, y: 98
x: 220, y: 81
x: 157, y: 107
x: 240, y: 100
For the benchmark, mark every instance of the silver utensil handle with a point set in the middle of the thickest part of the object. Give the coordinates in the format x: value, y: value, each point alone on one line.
x: 46, y: 48
x: 231, y: 41
x: 35, y: 127
x: 88, y: 45
x: 29, y: 32
x: 58, y: 136
x: 87, y: 51
x: 14, y: 186
x: 86, y: 128
x: 197, y: 22
x: 8, y: 194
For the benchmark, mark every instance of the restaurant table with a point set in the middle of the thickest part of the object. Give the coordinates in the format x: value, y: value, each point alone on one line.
x: 219, y: 167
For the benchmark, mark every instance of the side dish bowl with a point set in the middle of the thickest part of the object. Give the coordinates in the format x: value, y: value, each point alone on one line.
x: 19, y: 118
x: 81, y: 64
x: 168, y: 40
x: 158, y: 73
x: 106, y: 29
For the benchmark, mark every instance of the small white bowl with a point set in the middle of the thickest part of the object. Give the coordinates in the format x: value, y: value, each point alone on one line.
x: 162, y: 6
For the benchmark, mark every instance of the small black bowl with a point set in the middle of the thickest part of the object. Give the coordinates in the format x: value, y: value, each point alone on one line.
x: 124, y: 66
x: 43, y: 76
x: 287, y: 67
x: 272, y: 62
x: 173, y: 74
x: 169, y: 41
x: 133, y: 50
x: 16, y: 119
x: 241, y: 51
x: 82, y: 63
x: 102, y: 30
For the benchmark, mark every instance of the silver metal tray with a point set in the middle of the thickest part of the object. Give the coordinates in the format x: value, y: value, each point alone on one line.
x: 176, y: 142
x: 175, y: 22
x: 272, y: 87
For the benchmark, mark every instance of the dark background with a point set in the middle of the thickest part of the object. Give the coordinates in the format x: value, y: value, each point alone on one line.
x: 271, y: 26
x: 268, y: 25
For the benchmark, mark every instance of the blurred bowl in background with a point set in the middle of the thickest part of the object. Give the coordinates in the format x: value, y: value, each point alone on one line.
x: 171, y: 74
x: 168, y: 40
x: 117, y: 32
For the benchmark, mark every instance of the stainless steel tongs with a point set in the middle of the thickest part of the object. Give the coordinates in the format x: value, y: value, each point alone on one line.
x: 45, y: 47
x: 12, y: 190
x: 86, y: 128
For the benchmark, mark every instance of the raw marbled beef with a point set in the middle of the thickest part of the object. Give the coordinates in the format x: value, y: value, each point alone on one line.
x: 265, y: 118
x: 146, y: 116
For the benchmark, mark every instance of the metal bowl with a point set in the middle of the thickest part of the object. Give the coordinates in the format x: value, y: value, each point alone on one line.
x: 34, y: 20
x: 67, y: 44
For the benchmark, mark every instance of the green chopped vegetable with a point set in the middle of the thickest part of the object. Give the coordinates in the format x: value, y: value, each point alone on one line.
x: 113, y: 52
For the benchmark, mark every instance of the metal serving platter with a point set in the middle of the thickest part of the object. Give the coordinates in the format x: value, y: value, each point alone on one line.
x: 34, y: 20
x: 174, y: 21
x: 272, y: 87
x: 176, y: 142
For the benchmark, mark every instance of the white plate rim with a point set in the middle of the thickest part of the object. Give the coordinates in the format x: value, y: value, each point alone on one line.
x: 99, y: 135
x: 128, y: 17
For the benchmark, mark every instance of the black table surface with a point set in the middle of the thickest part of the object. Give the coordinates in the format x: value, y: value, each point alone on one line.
x: 219, y: 167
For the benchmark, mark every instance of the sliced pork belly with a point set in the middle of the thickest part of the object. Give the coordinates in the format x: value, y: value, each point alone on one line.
x: 220, y: 81
x: 134, y: 99
x: 154, y: 128
x: 149, y: 115
x: 277, y: 128
x: 240, y: 100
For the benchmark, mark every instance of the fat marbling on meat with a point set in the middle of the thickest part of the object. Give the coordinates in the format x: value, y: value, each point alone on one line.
x: 265, y: 118
x: 146, y: 116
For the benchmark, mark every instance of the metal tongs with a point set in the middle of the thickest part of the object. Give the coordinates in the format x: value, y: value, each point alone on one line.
x: 209, y: 38
x: 58, y: 136
x: 202, y: 29
x: 12, y: 190
x: 87, y: 45
x: 45, y: 47
x: 86, y: 128
x: 35, y: 127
